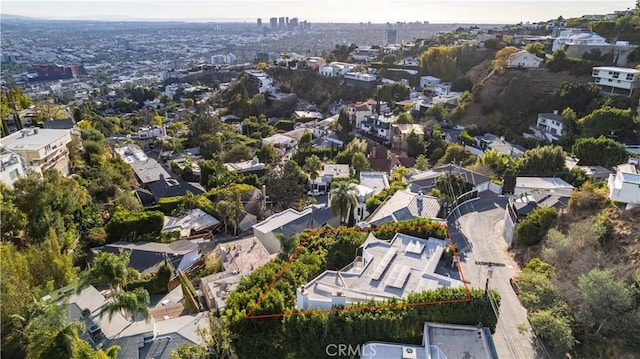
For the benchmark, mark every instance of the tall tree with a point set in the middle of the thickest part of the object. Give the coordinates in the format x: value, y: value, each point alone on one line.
x: 360, y: 163
x: 109, y: 269
x: 543, y: 161
x: 600, y: 151
x: 286, y: 185
x: 288, y: 245
x: 313, y: 165
x: 344, y: 199
x: 607, y: 307
x: 130, y: 303
x: 422, y: 163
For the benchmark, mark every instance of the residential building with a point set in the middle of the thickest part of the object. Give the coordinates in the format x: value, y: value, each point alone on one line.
x: 196, y: 222
x: 384, y: 160
x: 147, y: 257
x: 156, y: 182
x: 521, y: 206
x: 359, y: 112
x: 548, y: 185
x: 148, y: 132
x: 405, y: 205
x: 378, y: 126
x: 245, y: 166
x: 377, y: 181
x: 156, y: 338
x: 260, y: 79
x: 549, y: 127
x: 489, y: 142
x: 280, y: 141
x: 360, y: 79
x: 400, y: 132
x: 439, y: 341
x: 364, y: 54
x: 314, y: 63
x: 576, y: 36
x: 425, y: 181
x: 429, y: 81
x: 617, y: 78
x: 41, y: 148
x: 328, y: 173
x: 360, y: 212
x: 382, y: 270
x: 12, y: 167
x: 624, y: 185
x: 291, y: 222
x: 336, y: 69
x: 524, y: 60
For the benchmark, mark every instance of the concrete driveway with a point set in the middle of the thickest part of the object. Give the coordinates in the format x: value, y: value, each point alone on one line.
x: 476, y: 229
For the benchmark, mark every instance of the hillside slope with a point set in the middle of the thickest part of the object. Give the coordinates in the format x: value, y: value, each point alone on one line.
x: 513, y: 99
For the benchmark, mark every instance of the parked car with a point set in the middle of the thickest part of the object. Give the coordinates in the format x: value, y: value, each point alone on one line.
x: 316, y: 192
x: 514, y: 284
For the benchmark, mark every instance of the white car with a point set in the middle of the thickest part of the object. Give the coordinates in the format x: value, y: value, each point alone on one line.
x: 316, y: 192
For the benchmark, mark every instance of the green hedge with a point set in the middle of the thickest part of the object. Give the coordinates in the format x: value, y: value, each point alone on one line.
x: 125, y: 225
x: 417, y: 227
x: 307, y: 336
x: 158, y: 283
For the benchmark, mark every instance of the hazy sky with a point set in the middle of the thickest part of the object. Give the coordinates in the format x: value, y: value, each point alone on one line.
x: 450, y: 11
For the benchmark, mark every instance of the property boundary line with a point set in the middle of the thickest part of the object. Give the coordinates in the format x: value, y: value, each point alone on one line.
x: 356, y: 307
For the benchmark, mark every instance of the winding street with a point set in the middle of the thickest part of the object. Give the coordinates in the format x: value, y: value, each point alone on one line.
x: 476, y: 229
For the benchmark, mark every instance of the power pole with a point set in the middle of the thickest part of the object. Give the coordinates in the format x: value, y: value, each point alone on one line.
x: 490, y: 267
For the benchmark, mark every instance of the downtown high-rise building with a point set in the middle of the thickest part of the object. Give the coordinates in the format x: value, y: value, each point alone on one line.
x: 281, y: 23
x: 259, y: 22
x: 390, y: 36
x: 273, y: 22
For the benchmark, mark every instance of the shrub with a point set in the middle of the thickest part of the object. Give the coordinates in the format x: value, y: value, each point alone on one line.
x: 134, y: 226
x: 535, y: 226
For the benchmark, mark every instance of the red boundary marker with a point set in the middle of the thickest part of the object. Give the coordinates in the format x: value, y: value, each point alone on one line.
x: 355, y: 307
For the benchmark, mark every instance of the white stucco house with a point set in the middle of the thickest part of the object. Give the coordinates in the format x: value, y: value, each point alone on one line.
x: 524, y: 60
x: 617, y: 78
x: 624, y: 185
x: 382, y: 270
x: 549, y: 127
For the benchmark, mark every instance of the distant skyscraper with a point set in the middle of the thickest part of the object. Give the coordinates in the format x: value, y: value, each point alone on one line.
x: 273, y: 22
x: 218, y: 59
x: 281, y: 23
x: 391, y: 36
x: 231, y: 58
x: 294, y: 22
x: 259, y: 22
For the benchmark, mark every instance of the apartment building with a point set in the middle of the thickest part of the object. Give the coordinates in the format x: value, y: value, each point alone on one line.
x: 42, y: 149
x: 617, y: 78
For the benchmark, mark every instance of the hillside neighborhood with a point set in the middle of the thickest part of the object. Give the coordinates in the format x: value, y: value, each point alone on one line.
x: 470, y: 193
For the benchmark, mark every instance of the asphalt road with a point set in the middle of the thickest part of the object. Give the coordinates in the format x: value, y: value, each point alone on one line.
x: 476, y: 229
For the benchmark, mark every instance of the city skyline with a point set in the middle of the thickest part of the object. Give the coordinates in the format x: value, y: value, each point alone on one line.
x: 378, y: 11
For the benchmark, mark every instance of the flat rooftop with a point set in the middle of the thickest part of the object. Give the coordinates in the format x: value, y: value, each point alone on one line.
x: 439, y: 341
x: 32, y: 138
x: 385, y: 270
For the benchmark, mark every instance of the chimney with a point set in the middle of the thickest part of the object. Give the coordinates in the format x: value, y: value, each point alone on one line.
x: 374, y: 152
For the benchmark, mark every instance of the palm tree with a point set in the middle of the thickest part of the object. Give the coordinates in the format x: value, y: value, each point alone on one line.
x: 109, y: 269
x: 313, y: 165
x: 222, y: 207
x: 132, y: 303
x: 288, y: 244
x: 344, y: 198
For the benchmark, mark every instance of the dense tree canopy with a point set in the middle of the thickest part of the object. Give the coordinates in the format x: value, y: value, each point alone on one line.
x: 600, y: 151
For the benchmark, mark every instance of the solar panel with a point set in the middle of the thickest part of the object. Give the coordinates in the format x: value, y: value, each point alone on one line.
x: 377, y: 273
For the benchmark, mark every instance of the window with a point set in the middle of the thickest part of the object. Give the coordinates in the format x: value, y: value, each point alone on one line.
x: 630, y: 77
x: 596, y: 72
x: 14, y: 174
x: 616, y: 75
